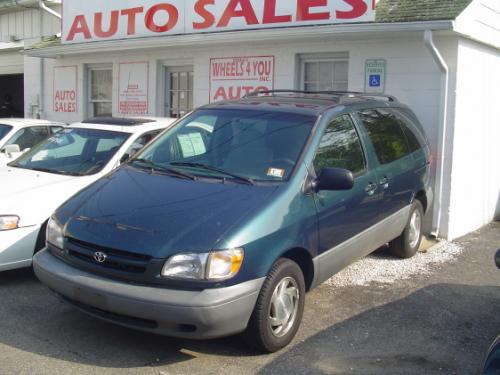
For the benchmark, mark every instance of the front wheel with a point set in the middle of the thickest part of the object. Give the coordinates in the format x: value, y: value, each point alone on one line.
x: 407, y: 245
x: 279, y: 308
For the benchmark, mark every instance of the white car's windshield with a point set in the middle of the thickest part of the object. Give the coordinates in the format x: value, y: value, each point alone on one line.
x: 4, y: 130
x: 73, y: 152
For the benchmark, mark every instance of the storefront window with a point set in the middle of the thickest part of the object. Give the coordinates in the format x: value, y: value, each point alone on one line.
x: 323, y: 72
x: 100, y: 91
x: 179, y: 98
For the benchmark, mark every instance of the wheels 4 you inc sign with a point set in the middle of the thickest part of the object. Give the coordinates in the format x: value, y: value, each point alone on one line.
x: 234, y: 77
x: 93, y: 20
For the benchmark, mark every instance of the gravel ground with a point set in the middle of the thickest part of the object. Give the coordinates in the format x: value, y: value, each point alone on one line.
x: 385, y: 269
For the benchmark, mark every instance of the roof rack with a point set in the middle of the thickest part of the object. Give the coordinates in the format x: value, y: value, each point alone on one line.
x: 339, y: 96
x: 117, y: 121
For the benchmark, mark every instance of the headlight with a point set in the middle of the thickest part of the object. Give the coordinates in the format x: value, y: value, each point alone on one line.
x: 217, y: 265
x: 9, y: 222
x: 55, y: 233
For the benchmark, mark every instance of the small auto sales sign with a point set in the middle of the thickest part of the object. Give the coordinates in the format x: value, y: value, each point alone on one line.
x: 94, y: 20
x: 234, y: 77
x: 65, y: 89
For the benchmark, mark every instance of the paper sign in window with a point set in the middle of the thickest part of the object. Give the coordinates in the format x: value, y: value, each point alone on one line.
x: 192, y: 144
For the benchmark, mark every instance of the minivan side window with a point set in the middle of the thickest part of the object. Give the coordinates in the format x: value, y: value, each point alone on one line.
x: 386, y: 135
x: 409, y: 129
x: 340, y: 147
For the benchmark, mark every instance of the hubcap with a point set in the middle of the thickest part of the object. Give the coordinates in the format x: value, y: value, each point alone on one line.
x: 284, y: 306
x: 415, y: 228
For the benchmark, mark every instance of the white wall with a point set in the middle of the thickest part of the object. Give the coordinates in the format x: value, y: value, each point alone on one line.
x: 11, y: 62
x: 412, y: 76
x: 481, y: 21
x: 27, y: 25
x: 475, y: 179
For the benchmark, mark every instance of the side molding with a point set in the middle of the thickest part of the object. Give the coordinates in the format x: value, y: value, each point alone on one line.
x: 334, y: 260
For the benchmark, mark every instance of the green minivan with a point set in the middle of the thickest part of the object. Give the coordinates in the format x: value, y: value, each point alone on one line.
x: 223, y: 223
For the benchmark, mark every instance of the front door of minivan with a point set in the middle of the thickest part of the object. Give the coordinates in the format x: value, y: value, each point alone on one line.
x: 344, y: 214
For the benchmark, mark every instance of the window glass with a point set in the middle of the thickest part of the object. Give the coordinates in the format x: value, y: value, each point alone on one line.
x: 386, y: 135
x: 411, y: 131
x: 179, y: 91
x: 55, y: 129
x: 340, y: 147
x: 260, y: 145
x: 142, y: 141
x: 4, y: 130
x: 29, y: 137
x: 325, y: 75
x: 73, y: 152
x: 101, y: 84
x: 100, y: 92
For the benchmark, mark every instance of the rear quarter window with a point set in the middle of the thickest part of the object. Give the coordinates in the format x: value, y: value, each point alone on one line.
x: 411, y: 130
x: 386, y: 134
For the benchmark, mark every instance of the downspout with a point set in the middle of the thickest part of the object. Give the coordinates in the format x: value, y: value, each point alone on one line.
x: 41, y: 96
x: 441, y: 63
x: 44, y: 7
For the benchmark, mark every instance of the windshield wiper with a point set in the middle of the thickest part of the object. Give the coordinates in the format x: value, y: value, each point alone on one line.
x: 155, y: 167
x: 246, y: 180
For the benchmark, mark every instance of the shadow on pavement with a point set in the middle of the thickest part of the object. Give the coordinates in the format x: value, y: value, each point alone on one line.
x: 440, y: 329
x: 34, y: 320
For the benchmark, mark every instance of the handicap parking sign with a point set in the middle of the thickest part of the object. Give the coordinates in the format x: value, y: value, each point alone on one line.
x: 375, y: 80
x: 375, y: 76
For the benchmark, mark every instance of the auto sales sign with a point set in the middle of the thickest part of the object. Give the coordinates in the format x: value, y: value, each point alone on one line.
x: 94, y: 20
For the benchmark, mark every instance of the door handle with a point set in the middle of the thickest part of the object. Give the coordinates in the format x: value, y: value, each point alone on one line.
x: 385, y: 182
x: 370, y: 189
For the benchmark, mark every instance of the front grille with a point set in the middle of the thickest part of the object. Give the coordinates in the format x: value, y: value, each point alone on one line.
x: 116, y: 259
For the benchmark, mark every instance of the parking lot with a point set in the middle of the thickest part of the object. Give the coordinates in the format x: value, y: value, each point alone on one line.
x: 439, y: 319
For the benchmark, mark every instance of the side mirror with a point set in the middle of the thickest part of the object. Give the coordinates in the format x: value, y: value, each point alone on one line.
x: 334, y: 179
x: 11, y: 149
x: 497, y: 258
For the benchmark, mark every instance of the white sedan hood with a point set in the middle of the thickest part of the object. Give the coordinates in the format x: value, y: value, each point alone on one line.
x: 34, y: 196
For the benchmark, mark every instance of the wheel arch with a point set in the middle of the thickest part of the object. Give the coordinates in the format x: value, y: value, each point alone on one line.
x: 422, y: 197
x: 303, y: 258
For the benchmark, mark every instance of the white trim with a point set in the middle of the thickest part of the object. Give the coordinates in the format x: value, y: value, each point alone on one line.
x: 445, y: 82
x: 261, y: 35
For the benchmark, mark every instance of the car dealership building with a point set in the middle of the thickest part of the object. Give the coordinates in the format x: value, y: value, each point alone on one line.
x: 164, y: 58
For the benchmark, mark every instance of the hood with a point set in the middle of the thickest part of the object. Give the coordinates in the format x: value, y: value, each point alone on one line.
x: 34, y: 196
x: 157, y: 215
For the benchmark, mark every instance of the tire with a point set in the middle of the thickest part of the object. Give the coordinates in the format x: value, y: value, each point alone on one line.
x: 260, y: 333
x: 408, y: 243
x: 40, y: 240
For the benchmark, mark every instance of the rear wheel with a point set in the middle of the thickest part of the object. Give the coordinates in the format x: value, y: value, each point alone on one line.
x: 407, y: 245
x: 279, y: 308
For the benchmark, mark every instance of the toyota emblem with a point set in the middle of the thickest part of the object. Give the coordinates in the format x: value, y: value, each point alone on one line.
x: 100, y: 257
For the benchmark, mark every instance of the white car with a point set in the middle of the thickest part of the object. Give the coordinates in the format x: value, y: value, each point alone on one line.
x: 18, y: 135
x: 39, y: 181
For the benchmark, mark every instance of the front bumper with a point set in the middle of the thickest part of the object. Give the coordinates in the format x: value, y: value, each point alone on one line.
x: 202, y: 314
x: 17, y: 247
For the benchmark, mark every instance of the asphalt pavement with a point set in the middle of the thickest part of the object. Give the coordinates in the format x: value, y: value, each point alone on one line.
x: 437, y: 323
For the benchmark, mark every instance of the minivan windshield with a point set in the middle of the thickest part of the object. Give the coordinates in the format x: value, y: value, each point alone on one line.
x: 73, y: 152
x: 4, y: 130
x: 232, y: 144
